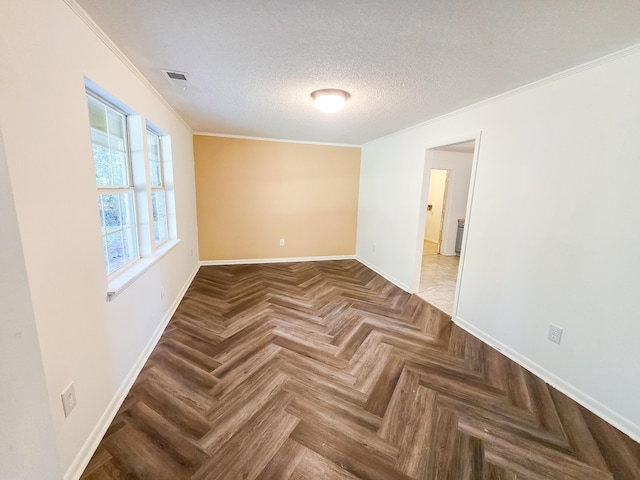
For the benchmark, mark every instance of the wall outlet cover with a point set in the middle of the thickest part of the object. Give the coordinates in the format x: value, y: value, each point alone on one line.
x: 68, y: 399
x: 555, y: 333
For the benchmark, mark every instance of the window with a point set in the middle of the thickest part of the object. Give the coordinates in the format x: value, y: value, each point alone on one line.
x: 114, y: 181
x: 134, y: 180
x: 158, y: 194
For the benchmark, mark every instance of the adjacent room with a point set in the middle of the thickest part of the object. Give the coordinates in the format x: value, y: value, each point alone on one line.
x: 319, y: 240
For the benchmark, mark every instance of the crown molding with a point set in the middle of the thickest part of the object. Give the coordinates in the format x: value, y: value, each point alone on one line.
x: 98, y: 32
x: 634, y: 49
x: 279, y: 140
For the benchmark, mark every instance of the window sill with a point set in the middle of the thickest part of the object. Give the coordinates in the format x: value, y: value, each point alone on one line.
x: 118, y: 283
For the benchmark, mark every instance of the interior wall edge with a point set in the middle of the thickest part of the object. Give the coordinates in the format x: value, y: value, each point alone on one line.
x: 620, y: 422
x: 81, y: 461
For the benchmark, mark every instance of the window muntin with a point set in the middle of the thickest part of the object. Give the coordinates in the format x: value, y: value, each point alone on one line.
x: 116, y: 195
x: 158, y: 194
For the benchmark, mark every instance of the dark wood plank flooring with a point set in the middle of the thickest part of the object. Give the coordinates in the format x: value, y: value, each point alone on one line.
x: 324, y: 370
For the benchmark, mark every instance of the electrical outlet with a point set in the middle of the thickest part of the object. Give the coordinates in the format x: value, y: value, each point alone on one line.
x: 282, y: 242
x: 373, y: 248
x: 555, y: 333
x: 68, y: 399
x: 161, y: 293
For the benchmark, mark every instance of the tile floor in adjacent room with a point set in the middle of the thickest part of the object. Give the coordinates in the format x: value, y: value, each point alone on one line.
x: 438, y: 278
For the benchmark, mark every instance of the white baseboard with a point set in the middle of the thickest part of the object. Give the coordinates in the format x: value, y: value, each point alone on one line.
x: 249, y: 261
x: 588, y: 402
x: 88, y: 449
x: 391, y: 278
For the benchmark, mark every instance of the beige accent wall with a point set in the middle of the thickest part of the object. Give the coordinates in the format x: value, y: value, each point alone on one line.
x: 252, y: 193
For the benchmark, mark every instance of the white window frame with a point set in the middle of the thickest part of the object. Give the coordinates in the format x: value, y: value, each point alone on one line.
x: 127, y: 189
x: 139, y: 185
x: 159, y: 188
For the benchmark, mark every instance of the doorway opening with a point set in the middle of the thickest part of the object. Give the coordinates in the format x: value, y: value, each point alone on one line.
x: 436, y: 207
x: 446, y: 185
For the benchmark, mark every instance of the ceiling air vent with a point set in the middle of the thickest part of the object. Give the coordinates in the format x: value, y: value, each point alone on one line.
x: 177, y: 79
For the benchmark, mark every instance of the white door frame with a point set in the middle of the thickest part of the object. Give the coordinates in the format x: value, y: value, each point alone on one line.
x: 434, y: 145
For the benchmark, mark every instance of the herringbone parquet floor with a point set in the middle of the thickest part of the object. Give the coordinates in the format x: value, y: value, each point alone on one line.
x: 324, y: 370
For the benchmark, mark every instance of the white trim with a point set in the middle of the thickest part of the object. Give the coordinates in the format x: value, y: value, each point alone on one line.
x: 384, y: 274
x: 529, y: 86
x: 249, y: 261
x: 467, y: 222
x: 599, y: 409
x: 93, y: 26
x: 88, y: 449
x: 121, y: 281
x: 279, y: 140
x: 438, y: 144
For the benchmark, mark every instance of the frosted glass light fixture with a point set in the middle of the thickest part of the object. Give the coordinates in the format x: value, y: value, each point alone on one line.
x: 330, y: 100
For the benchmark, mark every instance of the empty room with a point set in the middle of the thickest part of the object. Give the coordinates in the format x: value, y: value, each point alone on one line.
x: 319, y: 240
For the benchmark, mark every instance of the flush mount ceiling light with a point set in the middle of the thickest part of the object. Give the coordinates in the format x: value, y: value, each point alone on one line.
x: 330, y: 100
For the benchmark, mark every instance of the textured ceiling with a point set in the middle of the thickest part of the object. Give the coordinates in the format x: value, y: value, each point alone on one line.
x: 253, y: 63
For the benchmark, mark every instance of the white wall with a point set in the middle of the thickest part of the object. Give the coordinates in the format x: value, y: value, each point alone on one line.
x: 532, y: 257
x: 27, y: 441
x: 459, y: 166
x: 46, y: 50
x: 437, y: 186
